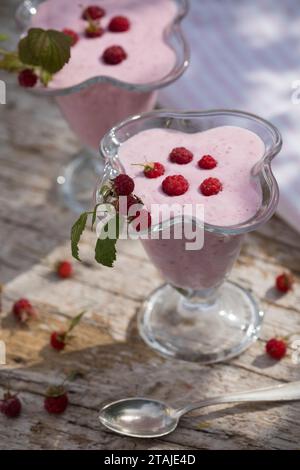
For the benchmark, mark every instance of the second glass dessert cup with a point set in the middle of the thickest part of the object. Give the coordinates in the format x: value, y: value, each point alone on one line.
x: 91, y: 108
x: 199, y: 315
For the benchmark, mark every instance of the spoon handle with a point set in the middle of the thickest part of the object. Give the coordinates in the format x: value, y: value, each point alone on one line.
x: 282, y: 392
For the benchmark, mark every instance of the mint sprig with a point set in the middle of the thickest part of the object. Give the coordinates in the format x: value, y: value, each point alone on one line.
x: 76, y: 232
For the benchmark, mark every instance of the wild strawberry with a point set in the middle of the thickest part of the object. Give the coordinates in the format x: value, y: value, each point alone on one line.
x: 276, y: 348
x: 27, y: 78
x: 284, y: 282
x: 93, y: 31
x: 114, y: 55
x: 181, y: 155
x: 64, y: 269
x: 123, y: 185
x: 56, y: 400
x: 93, y: 12
x: 210, y: 186
x: 207, y: 162
x: 119, y: 24
x: 175, y: 185
x: 59, y: 339
x: 141, y: 221
x: 23, y: 310
x: 72, y: 34
x: 10, y: 406
x: 152, y: 169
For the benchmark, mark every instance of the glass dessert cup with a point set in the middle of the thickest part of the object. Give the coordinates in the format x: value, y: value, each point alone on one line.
x: 199, y: 315
x: 91, y: 108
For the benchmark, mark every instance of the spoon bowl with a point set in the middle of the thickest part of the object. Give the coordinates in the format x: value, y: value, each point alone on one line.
x: 139, y: 417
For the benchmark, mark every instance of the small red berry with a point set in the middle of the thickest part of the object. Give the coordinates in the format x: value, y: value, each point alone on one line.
x: 27, y: 78
x: 56, y: 400
x: 207, y: 162
x: 123, y: 185
x: 58, y: 340
x: 175, y: 185
x: 276, y: 348
x: 181, y: 155
x: 93, y: 31
x: 72, y: 34
x: 211, y: 186
x: 23, y: 310
x: 142, y: 220
x: 123, y: 205
x: 284, y: 282
x: 93, y: 12
x: 152, y: 169
x: 119, y: 24
x: 10, y: 406
x: 64, y: 269
x: 114, y: 55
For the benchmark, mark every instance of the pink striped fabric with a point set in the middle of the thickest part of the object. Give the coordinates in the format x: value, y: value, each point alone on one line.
x: 246, y: 55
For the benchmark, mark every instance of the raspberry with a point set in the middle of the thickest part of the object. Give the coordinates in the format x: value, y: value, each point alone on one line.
x: 56, y: 400
x: 72, y: 34
x: 284, y: 282
x: 123, y: 185
x: 93, y: 12
x: 210, y: 186
x: 119, y: 24
x: 175, y: 185
x: 10, y: 406
x: 93, y: 31
x: 58, y: 340
x: 207, y: 162
x: 124, y: 206
x: 142, y: 220
x: 64, y: 269
x: 23, y: 310
x: 27, y: 78
x: 276, y: 348
x: 113, y: 55
x: 181, y: 155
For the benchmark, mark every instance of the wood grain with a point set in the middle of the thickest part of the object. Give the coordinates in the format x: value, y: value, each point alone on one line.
x: 35, y: 142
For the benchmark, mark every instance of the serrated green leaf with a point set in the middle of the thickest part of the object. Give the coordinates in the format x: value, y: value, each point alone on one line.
x: 3, y: 37
x: 75, y: 321
x: 49, y: 49
x: 76, y: 233
x: 11, y: 63
x: 105, y: 250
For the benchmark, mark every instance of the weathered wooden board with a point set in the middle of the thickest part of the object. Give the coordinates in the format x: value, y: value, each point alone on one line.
x: 35, y: 142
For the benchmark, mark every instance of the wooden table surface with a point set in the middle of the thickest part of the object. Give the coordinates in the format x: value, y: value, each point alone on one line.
x: 107, y: 350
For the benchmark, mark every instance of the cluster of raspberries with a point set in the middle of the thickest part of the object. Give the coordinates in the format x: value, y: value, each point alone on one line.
x: 176, y: 185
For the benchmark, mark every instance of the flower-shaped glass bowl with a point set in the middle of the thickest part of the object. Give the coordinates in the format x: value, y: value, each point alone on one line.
x: 199, y: 315
x: 92, y: 107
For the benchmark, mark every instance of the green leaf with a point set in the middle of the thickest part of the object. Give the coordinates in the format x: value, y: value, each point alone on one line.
x: 3, y: 37
x: 105, y: 251
x: 76, y: 233
x: 49, y: 49
x: 45, y: 77
x: 11, y: 63
x: 74, y: 322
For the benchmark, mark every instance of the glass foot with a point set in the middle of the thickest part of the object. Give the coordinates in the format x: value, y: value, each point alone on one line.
x: 200, y: 332
x: 77, y: 181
